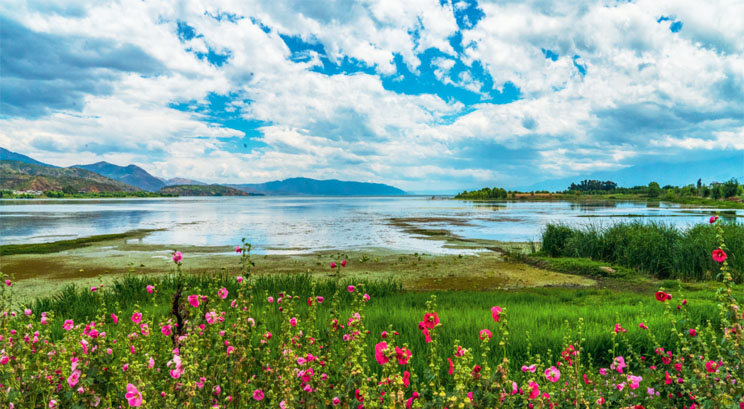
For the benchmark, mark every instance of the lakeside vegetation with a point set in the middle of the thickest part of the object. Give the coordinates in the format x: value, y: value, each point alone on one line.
x: 729, y: 194
x: 297, y: 342
x: 62, y: 245
x: 71, y: 194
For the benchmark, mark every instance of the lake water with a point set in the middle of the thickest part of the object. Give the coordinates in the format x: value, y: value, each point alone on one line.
x: 305, y: 224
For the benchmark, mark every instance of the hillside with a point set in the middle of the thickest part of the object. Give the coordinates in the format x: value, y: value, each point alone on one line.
x: 16, y: 175
x: 131, y: 175
x: 182, y: 181
x: 8, y: 155
x: 306, y: 186
x: 203, y: 190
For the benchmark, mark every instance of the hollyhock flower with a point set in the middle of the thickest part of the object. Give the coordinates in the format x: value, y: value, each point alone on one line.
x: 133, y: 396
x: 238, y: 249
x: 145, y: 329
x: 177, y: 257
x: 67, y: 325
x: 27, y: 311
x: 178, y: 370
x: 713, y: 219
x: 4, y: 360
x: 603, y: 371
x: 692, y: 332
x: 485, y: 333
x: 343, y: 263
x: 711, y: 366
x: 403, y: 355
x: 553, y: 374
x: 166, y: 330
x: 73, y: 379
x: 495, y: 311
x: 642, y: 326
x: 211, y: 317
x: 53, y: 404
x: 661, y: 296
x: 194, y: 300
x: 451, y: 367
x: 336, y: 401
x: 600, y: 401
x: 150, y: 288
x: 8, y: 283
x: 320, y: 299
x: 230, y: 349
x: 137, y: 317
x: 150, y: 363
x: 430, y: 320
x: 531, y: 368
x: 333, y: 265
x: 380, y: 356
x: 350, y: 288
x: 618, y: 364
x: 93, y: 289
x: 634, y: 381
x: 406, y: 378
x: 293, y: 321
x: 115, y: 318
x: 270, y: 300
x: 366, y: 297
x: 239, y: 278
x: 619, y: 328
x: 409, y: 402
x: 719, y: 255
x: 427, y: 335
x: 535, y: 390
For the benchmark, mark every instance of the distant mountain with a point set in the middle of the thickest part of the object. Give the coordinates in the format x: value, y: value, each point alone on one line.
x: 306, y: 186
x: 16, y: 175
x: 132, y: 175
x: 678, y: 174
x: 8, y: 155
x: 204, y: 190
x: 182, y: 181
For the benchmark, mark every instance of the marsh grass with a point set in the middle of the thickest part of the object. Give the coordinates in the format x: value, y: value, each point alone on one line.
x: 655, y: 248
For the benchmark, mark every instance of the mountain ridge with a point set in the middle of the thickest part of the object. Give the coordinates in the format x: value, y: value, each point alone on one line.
x: 327, y: 187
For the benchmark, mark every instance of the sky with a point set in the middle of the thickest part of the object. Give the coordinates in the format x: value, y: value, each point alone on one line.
x: 425, y: 95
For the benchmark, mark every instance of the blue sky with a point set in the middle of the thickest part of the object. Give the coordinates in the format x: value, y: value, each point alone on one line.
x: 425, y: 95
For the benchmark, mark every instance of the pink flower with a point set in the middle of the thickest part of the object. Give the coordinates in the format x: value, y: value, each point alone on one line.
x: 366, y: 297
x: 406, y: 378
x: 380, y: 356
x: 93, y: 289
x: 642, y: 326
x: 166, y: 330
x: 115, y: 318
x: 238, y: 249
x: 150, y: 363
x: 333, y: 265
x: 451, y: 367
x: 719, y: 255
x: 535, y: 390
x: 343, y: 263
x: 692, y: 332
x: 415, y: 395
x: 194, y: 300
x: 211, y: 316
x: 68, y: 325
x: 178, y: 371
x: 711, y: 366
x: 150, y: 288
x: 52, y: 403
x: 27, y: 311
x: 258, y: 394
x: 713, y: 219
x: 553, y: 374
x: 619, y: 328
x: 403, y: 355
x: 320, y: 299
x: 350, y: 288
x: 618, y: 364
x: 531, y: 368
x: 134, y: 397
x: 485, y: 333
x: 73, y: 379
x: 4, y: 360
x: 634, y: 381
x: 603, y: 371
x: 431, y: 319
x: 240, y: 279
x: 222, y: 292
x: 495, y: 311
x: 177, y: 257
x: 8, y: 283
x: 270, y: 300
x: 137, y: 317
x: 336, y: 401
x: 230, y: 349
x: 293, y: 321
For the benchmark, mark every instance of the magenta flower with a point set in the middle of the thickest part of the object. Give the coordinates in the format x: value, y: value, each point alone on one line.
x: 166, y: 330
x: 150, y: 288
x: 240, y: 279
x: 642, y: 326
x: 134, y: 397
x: 145, y: 329
x: 333, y: 265
x: 73, y: 379
x: 230, y: 349
x: 618, y: 364
x: 178, y: 370
x: 336, y: 401
x: 350, y: 288
x: 68, y: 325
x: 8, y: 283
x: 258, y: 394
x: 115, y: 318
x: 719, y: 255
x: 485, y: 333
x: 692, y: 332
x: 713, y: 219
x: 177, y: 257
x: 238, y: 249
x: 137, y: 317
x: 403, y: 355
x: 495, y: 311
x: 93, y: 289
x: 553, y: 374
x: 293, y: 321
x: 343, y: 263
x: 194, y: 300
x: 531, y: 368
x: 320, y: 299
x: 211, y: 317
x: 222, y: 292
x: 366, y: 297
x: 711, y: 366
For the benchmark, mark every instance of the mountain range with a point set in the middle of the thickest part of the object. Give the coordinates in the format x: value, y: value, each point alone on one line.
x: 20, y: 172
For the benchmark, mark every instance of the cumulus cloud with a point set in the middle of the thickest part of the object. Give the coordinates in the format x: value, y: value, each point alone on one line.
x: 423, y: 94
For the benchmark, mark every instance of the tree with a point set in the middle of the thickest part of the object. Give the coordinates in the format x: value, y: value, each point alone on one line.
x: 69, y: 190
x: 730, y: 188
x: 654, y: 190
x: 699, y: 183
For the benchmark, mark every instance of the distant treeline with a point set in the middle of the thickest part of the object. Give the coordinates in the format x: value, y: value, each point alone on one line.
x: 715, y: 190
x: 61, y: 194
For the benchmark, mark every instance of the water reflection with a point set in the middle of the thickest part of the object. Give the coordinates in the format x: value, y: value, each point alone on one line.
x: 277, y: 224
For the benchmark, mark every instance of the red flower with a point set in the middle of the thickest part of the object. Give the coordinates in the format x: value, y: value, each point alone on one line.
x: 713, y: 219
x: 719, y: 255
x: 430, y: 320
x: 662, y: 296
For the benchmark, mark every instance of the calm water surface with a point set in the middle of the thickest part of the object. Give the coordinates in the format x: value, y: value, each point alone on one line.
x: 304, y: 224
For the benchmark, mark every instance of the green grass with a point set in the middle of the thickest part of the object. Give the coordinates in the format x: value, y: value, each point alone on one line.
x: 543, y: 313
x: 583, y: 266
x: 62, y: 245
x: 659, y: 249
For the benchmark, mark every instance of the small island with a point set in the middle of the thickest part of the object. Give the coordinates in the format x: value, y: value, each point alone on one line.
x: 204, y: 190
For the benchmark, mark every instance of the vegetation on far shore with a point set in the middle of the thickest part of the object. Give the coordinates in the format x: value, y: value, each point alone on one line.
x: 62, y: 245
x: 729, y: 194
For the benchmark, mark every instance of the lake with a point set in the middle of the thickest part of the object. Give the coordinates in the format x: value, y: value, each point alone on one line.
x: 276, y: 225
